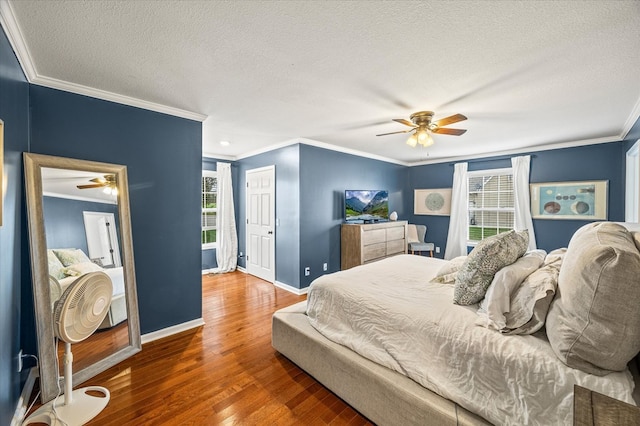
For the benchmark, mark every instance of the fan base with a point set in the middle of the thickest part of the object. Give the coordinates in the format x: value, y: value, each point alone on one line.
x: 83, y: 408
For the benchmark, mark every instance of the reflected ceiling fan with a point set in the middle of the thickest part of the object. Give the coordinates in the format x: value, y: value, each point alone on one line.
x: 108, y: 182
x: 422, y: 127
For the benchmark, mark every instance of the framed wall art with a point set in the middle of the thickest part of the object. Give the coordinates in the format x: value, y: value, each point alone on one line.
x: 569, y: 200
x: 432, y: 201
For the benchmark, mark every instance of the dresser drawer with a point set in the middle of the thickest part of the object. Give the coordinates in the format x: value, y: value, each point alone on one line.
x: 373, y: 236
x: 374, y: 251
x: 394, y: 247
x: 395, y: 233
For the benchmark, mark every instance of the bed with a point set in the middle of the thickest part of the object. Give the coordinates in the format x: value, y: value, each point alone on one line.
x: 356, y: 334
x: 67, y: 265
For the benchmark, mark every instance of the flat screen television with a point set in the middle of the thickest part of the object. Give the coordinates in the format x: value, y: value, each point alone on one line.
x: 366, y: 205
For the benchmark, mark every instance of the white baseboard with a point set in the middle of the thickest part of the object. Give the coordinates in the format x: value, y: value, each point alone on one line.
x: 241, y: 269
x: 291, y: 289
x: 209, y: 271
x: 170, y: 331
x: 25, y: 395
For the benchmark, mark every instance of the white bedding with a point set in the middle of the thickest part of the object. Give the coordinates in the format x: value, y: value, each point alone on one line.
x: 390, y: 313
x: 116, y: 275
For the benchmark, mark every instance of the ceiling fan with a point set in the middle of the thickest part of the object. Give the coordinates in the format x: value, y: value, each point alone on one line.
x: 108, y: 182
x: 421, y: 126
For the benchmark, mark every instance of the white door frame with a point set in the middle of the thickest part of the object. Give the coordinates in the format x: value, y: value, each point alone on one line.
x: 266, y: 233
x: 632, y: 187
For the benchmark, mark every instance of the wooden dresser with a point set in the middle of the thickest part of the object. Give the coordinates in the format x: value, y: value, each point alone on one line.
x: 594, y: 409
x: 363, y: 243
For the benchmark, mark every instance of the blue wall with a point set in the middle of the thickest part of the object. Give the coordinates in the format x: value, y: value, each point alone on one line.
x: 163, y: 155
x: 287, y: 165
x: 64, y: 221
x: 593, y: 162
x: 324, y: 176
x: 16, y: 306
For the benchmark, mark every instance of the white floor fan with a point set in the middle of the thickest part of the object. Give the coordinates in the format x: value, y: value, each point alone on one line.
x: 77, y: 315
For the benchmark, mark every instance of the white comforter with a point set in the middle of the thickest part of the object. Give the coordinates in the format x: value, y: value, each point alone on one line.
x: 390, y: 313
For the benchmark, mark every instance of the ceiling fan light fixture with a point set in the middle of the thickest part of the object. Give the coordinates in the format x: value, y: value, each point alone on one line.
x: 424, y: 138
x: 412, y: 141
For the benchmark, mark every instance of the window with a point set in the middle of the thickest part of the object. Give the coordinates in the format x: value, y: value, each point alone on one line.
x: 491, y: 203
x: 209, y: 208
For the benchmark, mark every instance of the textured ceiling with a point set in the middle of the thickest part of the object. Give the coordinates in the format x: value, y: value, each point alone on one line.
x: 526, y: 74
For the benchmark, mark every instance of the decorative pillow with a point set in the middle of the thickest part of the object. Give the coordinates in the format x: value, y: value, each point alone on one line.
x: 497, y: 301
x: 530, y: 302
x: 487, y: 258
x: 594, y: 321
x: 55, y: 266
x: 71, y: 256
x: 447, y: 274
x: 636, y: 239
x: 81, y: 268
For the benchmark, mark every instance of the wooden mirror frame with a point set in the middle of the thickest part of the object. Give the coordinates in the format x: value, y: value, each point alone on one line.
x: 50, y: 380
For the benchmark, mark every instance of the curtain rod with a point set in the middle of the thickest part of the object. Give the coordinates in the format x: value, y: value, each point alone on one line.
x: 503, y: 157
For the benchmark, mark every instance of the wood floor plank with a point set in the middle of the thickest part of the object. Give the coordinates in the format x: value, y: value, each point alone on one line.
x: 225, y: 372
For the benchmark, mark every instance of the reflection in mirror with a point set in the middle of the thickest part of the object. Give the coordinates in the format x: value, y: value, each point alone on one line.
x: 79, y: 222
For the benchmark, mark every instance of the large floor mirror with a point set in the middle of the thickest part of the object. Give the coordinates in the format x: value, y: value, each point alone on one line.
x: 79, y: 222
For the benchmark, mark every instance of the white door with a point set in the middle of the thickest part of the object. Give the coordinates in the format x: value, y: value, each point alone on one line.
x: 102, y: 238
x: 261, y: 213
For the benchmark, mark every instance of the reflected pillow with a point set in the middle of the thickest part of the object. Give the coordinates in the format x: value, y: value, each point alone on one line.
x: 81, y: 268
x: 55, y: 266
x: 71, y: 256
x: 487, y: 258
x: 448, y: 273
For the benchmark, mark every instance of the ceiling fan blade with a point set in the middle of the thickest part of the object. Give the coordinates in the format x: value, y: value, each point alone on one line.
x: 450, y: 120
x: 95, y: 185
x: 405, y: 122
x: 393, y: 133
x: 446, y: 131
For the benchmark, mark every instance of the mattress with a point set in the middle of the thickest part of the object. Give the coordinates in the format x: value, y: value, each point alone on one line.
x: 390, y: 313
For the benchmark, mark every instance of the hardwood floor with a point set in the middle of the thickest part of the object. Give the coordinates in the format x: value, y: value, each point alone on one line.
x: 225, y: 372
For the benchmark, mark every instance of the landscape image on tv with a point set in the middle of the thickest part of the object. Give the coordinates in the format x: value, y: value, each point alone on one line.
x: 366, y: 205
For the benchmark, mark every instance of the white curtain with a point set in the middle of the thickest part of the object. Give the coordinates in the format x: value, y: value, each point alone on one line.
x: 457, y: 237
x: 226, y: 236
x: 520, y: 167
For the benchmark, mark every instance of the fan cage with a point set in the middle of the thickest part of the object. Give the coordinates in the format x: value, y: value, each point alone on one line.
x: 82, y: 307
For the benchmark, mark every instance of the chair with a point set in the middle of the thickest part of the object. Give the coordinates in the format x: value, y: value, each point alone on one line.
x: 415, y: 239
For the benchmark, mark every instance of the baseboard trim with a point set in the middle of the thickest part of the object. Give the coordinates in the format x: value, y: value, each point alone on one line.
x: 25, y: 395
x: 241, y: 269
x: 291, y: 289
x: 209, y: 271
x: 170, y: 331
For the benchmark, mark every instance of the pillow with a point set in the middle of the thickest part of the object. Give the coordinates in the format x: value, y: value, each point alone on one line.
x: 497, y: 300
x: 530, y: 302
x: 81, y: 268
x: 55, y: 266
x: 71, y: 256
x: 487, y: 258
x: 636, y: 239
x: 447, y: 274
x: 594, y: 322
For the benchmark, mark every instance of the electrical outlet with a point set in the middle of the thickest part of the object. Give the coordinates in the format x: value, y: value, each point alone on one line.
x: 240, y: 255
x: 325, y: 266
x: 307, y: 271
x: 20, y: 361
x: 438, y: 250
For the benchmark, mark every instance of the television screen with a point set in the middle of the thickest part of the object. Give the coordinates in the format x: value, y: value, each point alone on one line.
x: 367, y: 206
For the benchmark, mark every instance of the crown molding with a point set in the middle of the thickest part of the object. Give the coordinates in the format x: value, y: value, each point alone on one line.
x: 14, y: 34
x: 633, y: 118
x: 115, y: 97
x: 530, y: 149
x: 17, y: 41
